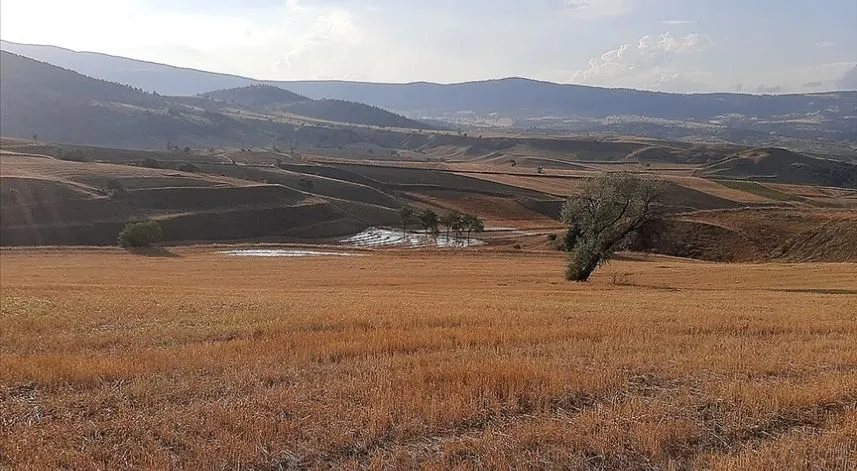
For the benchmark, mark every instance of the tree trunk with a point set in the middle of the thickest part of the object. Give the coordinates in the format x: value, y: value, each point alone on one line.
x: 581, y: 270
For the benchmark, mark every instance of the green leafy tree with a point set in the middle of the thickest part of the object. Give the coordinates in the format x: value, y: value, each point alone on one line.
x: 406, y: 215
x: 451, y: 221
x: 429, y: 221
x: 612, y: 207
x: 141, y: 234
x: 471, y: 224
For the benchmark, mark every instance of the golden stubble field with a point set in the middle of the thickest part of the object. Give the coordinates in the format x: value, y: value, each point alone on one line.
x: 429, y: 360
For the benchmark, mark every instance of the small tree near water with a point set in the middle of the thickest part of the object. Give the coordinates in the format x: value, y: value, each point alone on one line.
x: 612, y: 207
x: 429, y: 221
x: 406, y: 215
x: 141, y: 234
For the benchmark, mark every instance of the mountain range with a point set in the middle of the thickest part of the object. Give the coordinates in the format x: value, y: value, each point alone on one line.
x: 825, y: 122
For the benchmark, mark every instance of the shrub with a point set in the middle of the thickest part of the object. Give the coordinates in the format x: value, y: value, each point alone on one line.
x: 72, y: 155
x: 621, y: 279
x: 188, y: 167
x: 150, y: 162
x: 114, y: 186
x: 140, y: 234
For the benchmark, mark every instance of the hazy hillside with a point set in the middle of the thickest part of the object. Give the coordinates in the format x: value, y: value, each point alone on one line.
x: 59, y: 105
x: 271, y: 98
x: 518, y: 96
x: 355, y: 113
x: 150, y: 76
x: 256, y: 96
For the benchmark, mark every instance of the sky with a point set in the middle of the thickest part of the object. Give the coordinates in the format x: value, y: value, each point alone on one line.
x: 752, y: 46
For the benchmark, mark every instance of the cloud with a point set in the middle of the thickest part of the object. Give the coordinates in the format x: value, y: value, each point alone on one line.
x: 765, y: 90
x: 826, y: 44
x: 678, y: 22
x: 848, y: 81
x: 651, y: 63
x: 813, y: 85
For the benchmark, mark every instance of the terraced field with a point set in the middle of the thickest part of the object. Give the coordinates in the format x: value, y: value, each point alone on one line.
x: 272, y: 195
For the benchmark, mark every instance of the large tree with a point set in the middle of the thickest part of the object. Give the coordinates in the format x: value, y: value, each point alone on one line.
x: 612, y: 207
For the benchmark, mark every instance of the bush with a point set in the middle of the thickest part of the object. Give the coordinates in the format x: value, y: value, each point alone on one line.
x: 190, y: 168
x: 150, y: 162
x: 114, y: 186
x: 72, y: 155
x: 140, y: 234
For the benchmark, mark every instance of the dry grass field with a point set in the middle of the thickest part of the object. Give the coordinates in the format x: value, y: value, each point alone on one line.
x: 423, y: 359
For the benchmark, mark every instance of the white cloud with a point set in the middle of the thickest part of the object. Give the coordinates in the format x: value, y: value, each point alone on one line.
x: 826, y: 44
x: 650, y: 63
x: 678, y: 22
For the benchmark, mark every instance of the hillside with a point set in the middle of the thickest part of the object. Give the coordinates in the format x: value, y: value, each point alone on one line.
x: 60, y: 194
x: 254, y: 96
x: 274, y: 99
x: 353, y: 113
x: 784, y: 166
x: 149, y: 76
x: 51, y: 104
x: 823, y: 123
x: 59, y: 105
x: 46, y: 201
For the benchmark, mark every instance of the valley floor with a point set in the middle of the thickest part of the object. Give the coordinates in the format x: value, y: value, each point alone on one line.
x: 198, y: 360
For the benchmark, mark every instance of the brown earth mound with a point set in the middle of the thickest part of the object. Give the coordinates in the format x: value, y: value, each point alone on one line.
x: 755, y: 235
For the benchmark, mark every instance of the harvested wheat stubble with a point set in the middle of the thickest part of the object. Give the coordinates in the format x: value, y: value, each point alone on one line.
x: 400, y: 360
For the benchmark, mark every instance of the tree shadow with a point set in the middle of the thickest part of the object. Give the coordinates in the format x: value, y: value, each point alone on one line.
x: 158, y: 252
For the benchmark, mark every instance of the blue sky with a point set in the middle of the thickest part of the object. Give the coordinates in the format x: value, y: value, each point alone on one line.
x: 671, y: 45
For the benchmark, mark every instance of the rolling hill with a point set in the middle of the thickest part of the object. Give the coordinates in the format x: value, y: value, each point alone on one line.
x: 783, y: 166
x: 72, y: 195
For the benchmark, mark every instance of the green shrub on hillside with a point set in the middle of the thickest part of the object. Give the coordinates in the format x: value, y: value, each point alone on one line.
x: 140, y: 234
x: 72, y: 155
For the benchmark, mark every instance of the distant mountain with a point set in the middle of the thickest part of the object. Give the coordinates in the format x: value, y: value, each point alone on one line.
x: 823, y: 123
x: 521, y: 97
x: 150, y: 76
